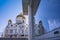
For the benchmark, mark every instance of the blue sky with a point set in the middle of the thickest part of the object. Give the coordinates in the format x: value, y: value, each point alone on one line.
x: 48, y: 11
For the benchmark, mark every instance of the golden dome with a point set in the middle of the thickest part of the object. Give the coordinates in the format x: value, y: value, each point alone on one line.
x: 21, y: 15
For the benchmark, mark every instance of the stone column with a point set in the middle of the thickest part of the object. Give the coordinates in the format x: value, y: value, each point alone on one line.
x: 31, y: 23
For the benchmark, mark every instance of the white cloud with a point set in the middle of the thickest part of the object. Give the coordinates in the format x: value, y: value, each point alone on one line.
x: 53, y: 24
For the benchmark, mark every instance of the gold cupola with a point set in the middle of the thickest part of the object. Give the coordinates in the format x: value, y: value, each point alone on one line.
x: 20, y: 15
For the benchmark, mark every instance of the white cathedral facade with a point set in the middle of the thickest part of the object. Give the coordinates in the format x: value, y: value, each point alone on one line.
x: 16, y: 30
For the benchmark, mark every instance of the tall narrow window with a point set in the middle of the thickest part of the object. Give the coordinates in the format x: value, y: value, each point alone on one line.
x: 22, y: 31
x: 11, y: 31
x: 15, y: 30
x: 23, y: 21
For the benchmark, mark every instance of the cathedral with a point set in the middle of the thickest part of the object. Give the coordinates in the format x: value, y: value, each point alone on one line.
x: 18, y: 29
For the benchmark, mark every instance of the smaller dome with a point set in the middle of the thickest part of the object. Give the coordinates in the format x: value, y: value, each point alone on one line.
x: 21, y: 15
x: 9, y: 20
x: 40, y: 21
